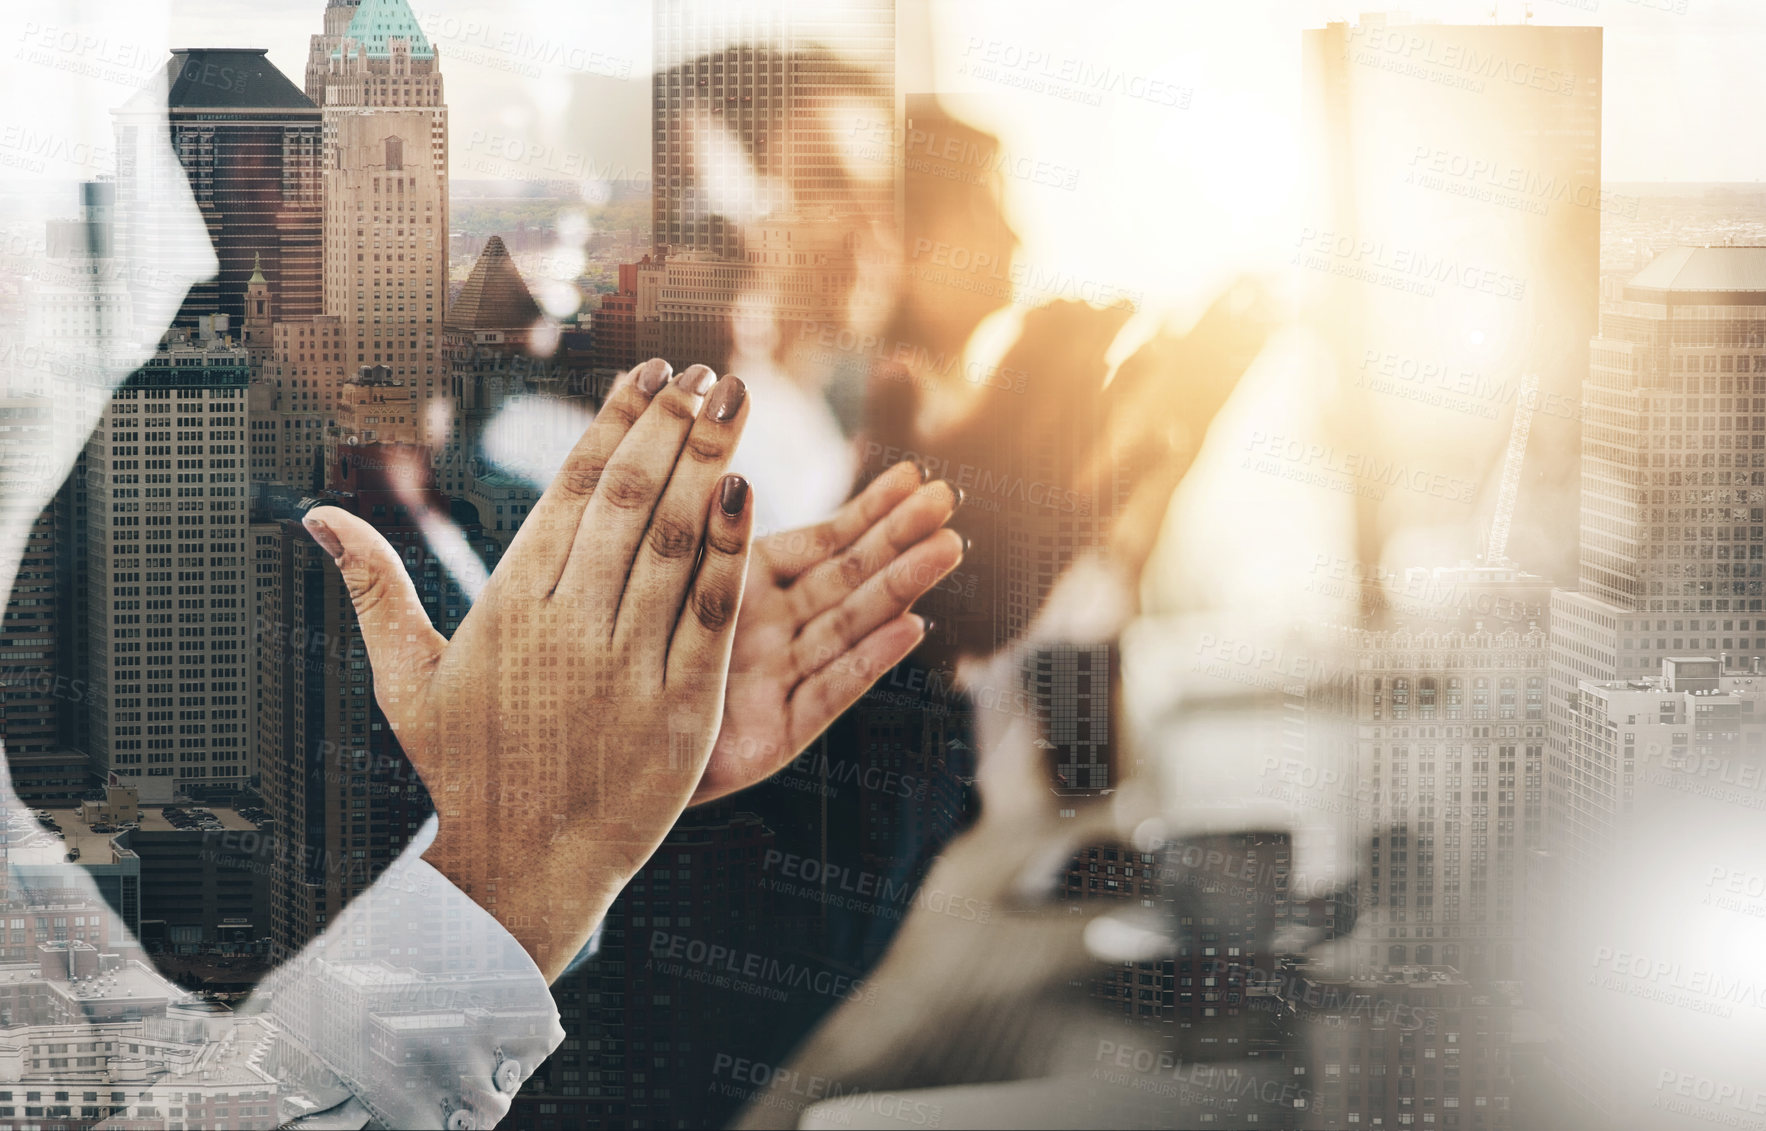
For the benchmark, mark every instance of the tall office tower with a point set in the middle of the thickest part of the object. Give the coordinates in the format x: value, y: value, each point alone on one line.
x: 1450, y: 747
x: 344, y: 797
x: 79, y: 297
x: 1672, y: 480
x: 250, y: 145
x: 338, y: 14
x: 741, y: 92
x: 485, y: 341
x: 295, y: 400
x: 1454, y: 235
x: 386, y: 197
x: 1672, y: 484
x: 169, y: 595
x: 29, y: 634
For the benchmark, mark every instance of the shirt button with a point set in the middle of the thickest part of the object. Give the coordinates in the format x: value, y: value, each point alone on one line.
x: 460, y: 1120
x: 508, y: 1076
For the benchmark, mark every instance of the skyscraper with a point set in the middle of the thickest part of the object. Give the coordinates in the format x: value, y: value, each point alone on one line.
x: 338, y: 14
x: 250, y: 146
x: 485, y: 344
x: 344, y: 797
x: 1673, y: 480
x: 386, y: 196
x: 29, y: 635
x: 169, y: 594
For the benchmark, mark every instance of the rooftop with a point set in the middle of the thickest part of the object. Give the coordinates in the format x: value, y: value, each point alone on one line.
x: 494, y: 297
x: 1720, y: 276
x: 378, y: 22
x: 230, y: 78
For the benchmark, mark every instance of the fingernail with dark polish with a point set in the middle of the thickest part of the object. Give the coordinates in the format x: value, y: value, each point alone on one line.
x: 966, y: 543
x: 322, y: 534
x: 735, y: 495
x: 726, y: 401
x: 653, y: 376
x: 927, y: 625
x: 925, y: 471
x: 959, y: 495
x: 698, y: 380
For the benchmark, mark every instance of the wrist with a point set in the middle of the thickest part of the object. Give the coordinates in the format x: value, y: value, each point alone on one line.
x: 551, y: 902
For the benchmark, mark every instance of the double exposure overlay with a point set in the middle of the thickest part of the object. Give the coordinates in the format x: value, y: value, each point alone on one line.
x: 882, y: 563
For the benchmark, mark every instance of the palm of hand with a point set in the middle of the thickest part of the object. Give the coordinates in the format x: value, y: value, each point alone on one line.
x: 825, y: 614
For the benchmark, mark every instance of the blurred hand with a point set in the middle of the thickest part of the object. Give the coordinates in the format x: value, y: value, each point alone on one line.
x: 824, y: 616
x: 567, y: 723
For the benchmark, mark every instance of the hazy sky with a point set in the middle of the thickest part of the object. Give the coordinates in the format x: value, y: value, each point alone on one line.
x: 1679, y: 73
x: 1207, y: 164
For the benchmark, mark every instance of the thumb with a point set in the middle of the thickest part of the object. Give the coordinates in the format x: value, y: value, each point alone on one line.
x: 402, y: 644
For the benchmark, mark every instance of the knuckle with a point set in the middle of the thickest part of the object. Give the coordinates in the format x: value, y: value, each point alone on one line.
x: 706, y: 449
x: 579, y: 477
x: 369, y: 587
x: 623, y: 410
x: 675, y: 404
x: 714, y: 606
x: 626, y: 487
x: 671, y: 537
x: 852, y: 570
x: 727, y: 542
x: 844, y: 622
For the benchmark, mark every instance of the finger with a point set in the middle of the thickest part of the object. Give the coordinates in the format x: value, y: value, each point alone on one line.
x: 699, y: 654
x: 664, y: 566
x: 821, y: 699
x: 884, y: 597
x: 402, y: 645
x: 630, y: 486
x: 789, y: 553
x: 826, y: 585
x: 540, y: 549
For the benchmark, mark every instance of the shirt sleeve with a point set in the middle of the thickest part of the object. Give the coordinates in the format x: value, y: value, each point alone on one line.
x: 424, y: 1006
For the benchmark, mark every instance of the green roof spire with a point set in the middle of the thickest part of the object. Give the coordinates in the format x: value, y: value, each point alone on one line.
x: 378, y: 22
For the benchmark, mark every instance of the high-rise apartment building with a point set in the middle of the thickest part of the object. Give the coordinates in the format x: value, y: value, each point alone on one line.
x: 741, y: 92
x: 250, y: 146
x: 386, y: 196
x: 168, y: 591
